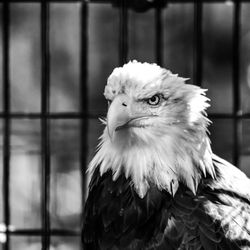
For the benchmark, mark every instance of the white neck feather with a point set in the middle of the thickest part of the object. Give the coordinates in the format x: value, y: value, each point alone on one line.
x: 165, y: 162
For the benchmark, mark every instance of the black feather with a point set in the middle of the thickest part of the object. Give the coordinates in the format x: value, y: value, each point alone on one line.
x: 115, y: 217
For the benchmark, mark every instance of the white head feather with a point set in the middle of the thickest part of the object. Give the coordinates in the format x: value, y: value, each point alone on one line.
x: 171, y: 145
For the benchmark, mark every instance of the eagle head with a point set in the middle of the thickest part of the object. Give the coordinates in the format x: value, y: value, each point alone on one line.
x: 156, y: 129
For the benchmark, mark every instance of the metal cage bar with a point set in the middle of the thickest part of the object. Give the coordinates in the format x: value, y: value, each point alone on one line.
x: 6, y: 124
x: 76, y: 115
x: 112, y: 1
x: 198, y: 37
x: 45, y: 133
x: 84, y: 97
x: 123, y: 33
x: 237, y: 132
x: 159, y: 52
x: 39, y: 232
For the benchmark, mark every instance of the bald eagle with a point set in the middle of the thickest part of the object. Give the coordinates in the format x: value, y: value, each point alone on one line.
x: 155, y: 183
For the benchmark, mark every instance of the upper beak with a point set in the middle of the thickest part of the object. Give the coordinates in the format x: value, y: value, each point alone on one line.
x: 118, y: 114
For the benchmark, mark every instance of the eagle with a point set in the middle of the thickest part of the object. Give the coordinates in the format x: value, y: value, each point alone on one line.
x: 155, y: 182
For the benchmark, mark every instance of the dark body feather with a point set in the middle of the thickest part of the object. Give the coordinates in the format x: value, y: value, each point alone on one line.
x: 217, y: 217
x: 115, y: 217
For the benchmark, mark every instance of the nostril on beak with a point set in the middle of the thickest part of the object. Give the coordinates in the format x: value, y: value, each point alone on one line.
x: 124, y: 104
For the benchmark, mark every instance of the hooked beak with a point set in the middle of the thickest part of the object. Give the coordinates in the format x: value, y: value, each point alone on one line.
x: 118, y: 114
x: 122, y: 116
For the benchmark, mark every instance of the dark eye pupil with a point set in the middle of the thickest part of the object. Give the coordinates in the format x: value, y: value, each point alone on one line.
x: 154, y: 100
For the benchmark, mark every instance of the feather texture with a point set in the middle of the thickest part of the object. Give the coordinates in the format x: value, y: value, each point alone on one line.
x: 157, y: 184
x: 217, y: 217
x: 115, y: 217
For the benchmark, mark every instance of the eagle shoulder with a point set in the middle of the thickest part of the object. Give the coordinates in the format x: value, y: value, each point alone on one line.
x: 218, y: 215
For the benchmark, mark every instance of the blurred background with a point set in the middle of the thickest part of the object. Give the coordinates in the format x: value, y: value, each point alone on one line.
x: 203, y: 42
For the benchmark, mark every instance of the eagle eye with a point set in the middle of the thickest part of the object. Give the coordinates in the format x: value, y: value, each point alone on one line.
x: 154, y: 100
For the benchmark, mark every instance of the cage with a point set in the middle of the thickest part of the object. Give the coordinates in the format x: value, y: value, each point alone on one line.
x: 56, y: 57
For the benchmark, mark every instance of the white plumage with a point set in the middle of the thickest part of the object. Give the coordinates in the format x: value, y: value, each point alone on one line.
x: 161, y: 150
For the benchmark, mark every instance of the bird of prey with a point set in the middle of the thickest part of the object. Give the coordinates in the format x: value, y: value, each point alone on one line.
x: 155, y: 182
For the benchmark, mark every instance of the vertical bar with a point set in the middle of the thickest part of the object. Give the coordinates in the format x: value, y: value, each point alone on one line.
x: 6, y: 109
x: 84, y: 99
x: 198, y: 50
x: 236, y: 88
x: 45, y: 140
x: 84, y: 95
x: 158, y: 27
x: 123, y: 33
